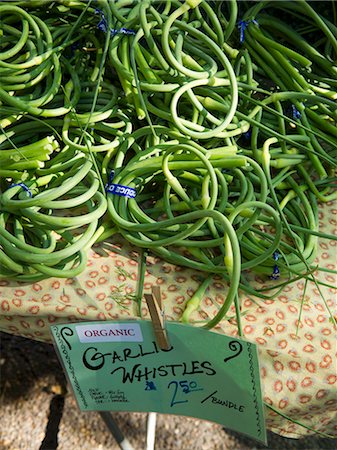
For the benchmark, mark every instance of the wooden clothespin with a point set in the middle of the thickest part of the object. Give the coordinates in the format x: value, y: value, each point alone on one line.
x: 154, y: 304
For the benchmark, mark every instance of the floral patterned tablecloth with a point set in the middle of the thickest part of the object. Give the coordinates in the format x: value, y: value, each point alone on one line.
x: 294, y: 332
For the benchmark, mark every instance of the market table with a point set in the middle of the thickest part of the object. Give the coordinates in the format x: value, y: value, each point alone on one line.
x: 295, y: 334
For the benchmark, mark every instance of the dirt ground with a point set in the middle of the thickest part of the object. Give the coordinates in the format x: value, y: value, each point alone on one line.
x: 38, y: 412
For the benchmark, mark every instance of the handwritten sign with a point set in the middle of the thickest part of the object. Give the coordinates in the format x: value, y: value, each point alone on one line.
x: 115, y: 366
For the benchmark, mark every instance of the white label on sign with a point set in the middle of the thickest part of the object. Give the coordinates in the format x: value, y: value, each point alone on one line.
x: 117, y: 332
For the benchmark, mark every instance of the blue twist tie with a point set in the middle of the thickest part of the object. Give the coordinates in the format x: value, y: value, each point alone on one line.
x: 24, y: 187
x: 242, y: 25
x: 296, y: 113
x: 102, y: 25
x: 112, y: 174
x: 276, y: 255
x: 276, y: 273
x: 125, y: 31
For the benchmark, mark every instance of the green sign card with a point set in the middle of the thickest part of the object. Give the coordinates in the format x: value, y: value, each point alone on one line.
x: 118, y: 366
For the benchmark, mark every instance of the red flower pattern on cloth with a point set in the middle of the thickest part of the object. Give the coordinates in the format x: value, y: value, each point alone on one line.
x: 295, y: 338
